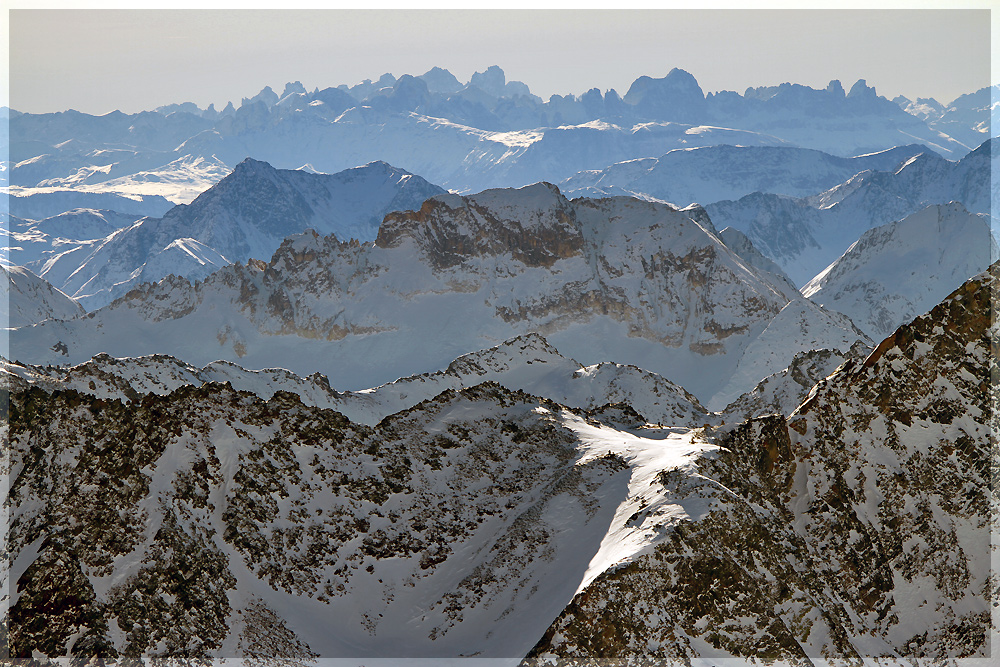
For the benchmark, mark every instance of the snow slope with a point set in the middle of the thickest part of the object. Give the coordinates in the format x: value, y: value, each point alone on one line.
x: 208, y: 522
x: 26, y: 299
x: 450, y: 537
x: 872, y: 499
x: 41, y: 205
x: 805, y: 235
x: 899, y: 270
x: 179, y: 180
x: 526, y: 363
x: 714, y: 173
x: 35, y: 244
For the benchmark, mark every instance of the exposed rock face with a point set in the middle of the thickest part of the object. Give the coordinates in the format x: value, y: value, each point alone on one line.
x: 245, y: 215
x: 858, y: 526
x: 676, y: 97
x: 452, y: 230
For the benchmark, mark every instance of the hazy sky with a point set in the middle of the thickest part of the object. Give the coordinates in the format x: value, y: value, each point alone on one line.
x: 100, y: 60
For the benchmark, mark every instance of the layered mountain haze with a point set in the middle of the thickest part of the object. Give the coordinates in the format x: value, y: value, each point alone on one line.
x: 130, y: 167
x: 967, y: 118
x: 488, y: 132
x: 46, y: 204
x: 180, y: 180
x: 636, y: 282
x: 38, y: 244
x: 713, y: 173
x: 922, y: 180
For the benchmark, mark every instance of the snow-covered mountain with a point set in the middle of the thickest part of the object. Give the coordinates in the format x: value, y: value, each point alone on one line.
x: 39, y: 244
x: 247, y: 214
x: 26, y: 299
x: 896, y: 271
x: 805, y: 235
x: 925, y: 179
x: 210, y: 522
x: 847, y: 123
x: 46, y: 203
x: 738, y: 242
x: 114, y: 155
x: 481, y: 426
x: 330, y: 136
x: 424, y: 511
x: 526, y: 363
x: 722, y: 172
x: 636, y: 282
x: 967, y: 118
x: 457, y: 156
x: 782, y: 392
x: 119, y: 173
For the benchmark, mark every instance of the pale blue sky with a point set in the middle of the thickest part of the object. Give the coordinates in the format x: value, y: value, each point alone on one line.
x: 100, y: 60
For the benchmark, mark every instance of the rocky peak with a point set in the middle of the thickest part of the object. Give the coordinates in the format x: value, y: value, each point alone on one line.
x: 492, y: 81
x: 536, y: 224
x: 267, y: 96
x: 440, y: 80
x: 293, y: 87
x: 675, y: 97
x: 860, y: 89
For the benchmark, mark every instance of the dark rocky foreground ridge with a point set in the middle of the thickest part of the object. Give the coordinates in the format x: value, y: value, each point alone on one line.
x: 881, y: 477
x: 208, y: 522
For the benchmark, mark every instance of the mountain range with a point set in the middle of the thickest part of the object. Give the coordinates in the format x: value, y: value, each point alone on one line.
x: 727, y: 172
x: 722, y: 396
x: 805, y: 235
x: 637, y: 282
x: 487, y: 133
x: 247, y: 214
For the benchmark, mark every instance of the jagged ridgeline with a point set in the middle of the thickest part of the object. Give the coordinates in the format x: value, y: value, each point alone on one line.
x: 208, y: 522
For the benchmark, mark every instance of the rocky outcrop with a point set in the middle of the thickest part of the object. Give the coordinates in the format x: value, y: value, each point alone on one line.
x: 452, y: 230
